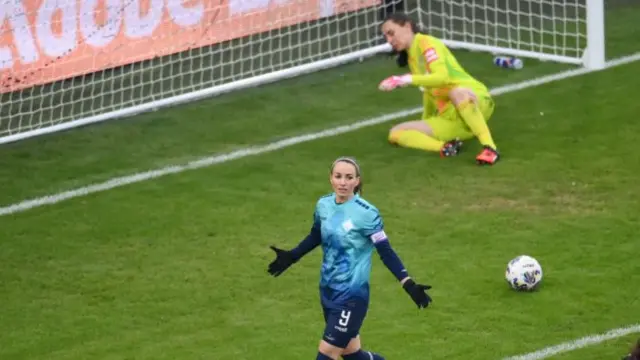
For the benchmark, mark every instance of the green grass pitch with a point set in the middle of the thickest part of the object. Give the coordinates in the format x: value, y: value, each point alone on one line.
x: 175, y: 268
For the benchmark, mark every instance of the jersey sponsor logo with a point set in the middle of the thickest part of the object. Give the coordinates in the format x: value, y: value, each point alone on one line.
x: 430, y: 55
x: 341, y: 329
x: 347, y: 225
x: 379, y: 236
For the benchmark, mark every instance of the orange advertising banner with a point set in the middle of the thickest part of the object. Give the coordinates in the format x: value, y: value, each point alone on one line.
x: 42, y: 41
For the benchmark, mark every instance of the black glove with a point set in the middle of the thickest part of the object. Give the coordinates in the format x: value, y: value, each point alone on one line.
x: 418, y: 293
x: 283, y: 260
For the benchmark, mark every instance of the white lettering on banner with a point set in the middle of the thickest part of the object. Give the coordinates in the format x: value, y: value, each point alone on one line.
x: 62, y: 39
x: 326, y: 8
x: 23, y: 38
x: 243, y: 6
x: 137, y: 25
x: 42, y: 41
x: 6, y: 60
x: 185, y: 16
x: 103, y: 34
x: 56, y: 25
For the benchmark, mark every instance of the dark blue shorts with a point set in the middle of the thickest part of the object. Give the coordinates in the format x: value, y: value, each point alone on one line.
x: 343, y: 322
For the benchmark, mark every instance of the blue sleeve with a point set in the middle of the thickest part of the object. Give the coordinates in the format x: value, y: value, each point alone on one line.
x: 374, y: 230
x: 310, y: 242
x: 391, y: 260
x: 372, y: 224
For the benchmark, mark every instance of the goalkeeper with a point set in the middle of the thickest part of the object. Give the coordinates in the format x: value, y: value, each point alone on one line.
x: 456, y: 106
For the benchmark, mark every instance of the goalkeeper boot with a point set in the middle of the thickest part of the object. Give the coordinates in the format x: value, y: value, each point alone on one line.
x: 451, y: 148
x: 488, y: 156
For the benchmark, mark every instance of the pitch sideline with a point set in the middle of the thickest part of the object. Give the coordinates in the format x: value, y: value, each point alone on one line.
x: 257, y: 150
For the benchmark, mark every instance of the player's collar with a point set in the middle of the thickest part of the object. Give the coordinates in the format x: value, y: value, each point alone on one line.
x: 353, y: 198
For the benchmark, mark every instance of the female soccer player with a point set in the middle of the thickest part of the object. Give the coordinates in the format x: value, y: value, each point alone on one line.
x: 348, y: 228
x: 456, y: 106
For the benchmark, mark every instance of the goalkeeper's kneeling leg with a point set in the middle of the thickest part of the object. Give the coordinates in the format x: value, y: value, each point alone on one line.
x: 475, y: 108
x: 419, y: 135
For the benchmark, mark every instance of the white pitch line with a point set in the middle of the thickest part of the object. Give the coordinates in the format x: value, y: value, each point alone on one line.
x: 257, y: 150
x: 580, y: 343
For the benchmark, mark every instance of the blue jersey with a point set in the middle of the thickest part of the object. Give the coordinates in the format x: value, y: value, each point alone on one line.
x: 349, y: 232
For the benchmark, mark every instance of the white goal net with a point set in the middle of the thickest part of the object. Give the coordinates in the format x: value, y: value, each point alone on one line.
x: 554, y: 30
x: 67, y: 63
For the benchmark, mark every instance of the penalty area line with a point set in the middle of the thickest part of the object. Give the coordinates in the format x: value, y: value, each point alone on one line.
x: 258, y: 150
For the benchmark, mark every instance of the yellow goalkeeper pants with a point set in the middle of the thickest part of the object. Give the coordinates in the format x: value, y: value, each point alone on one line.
x: 449, y: 125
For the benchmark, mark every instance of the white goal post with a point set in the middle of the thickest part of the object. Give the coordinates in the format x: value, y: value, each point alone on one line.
x: 69, y: 63
x: 566, y: 31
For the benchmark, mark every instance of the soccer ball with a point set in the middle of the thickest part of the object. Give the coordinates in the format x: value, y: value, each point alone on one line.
x: 524, y: 273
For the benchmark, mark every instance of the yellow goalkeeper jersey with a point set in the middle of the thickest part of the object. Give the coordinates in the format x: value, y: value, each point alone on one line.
x: 434, y: 68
